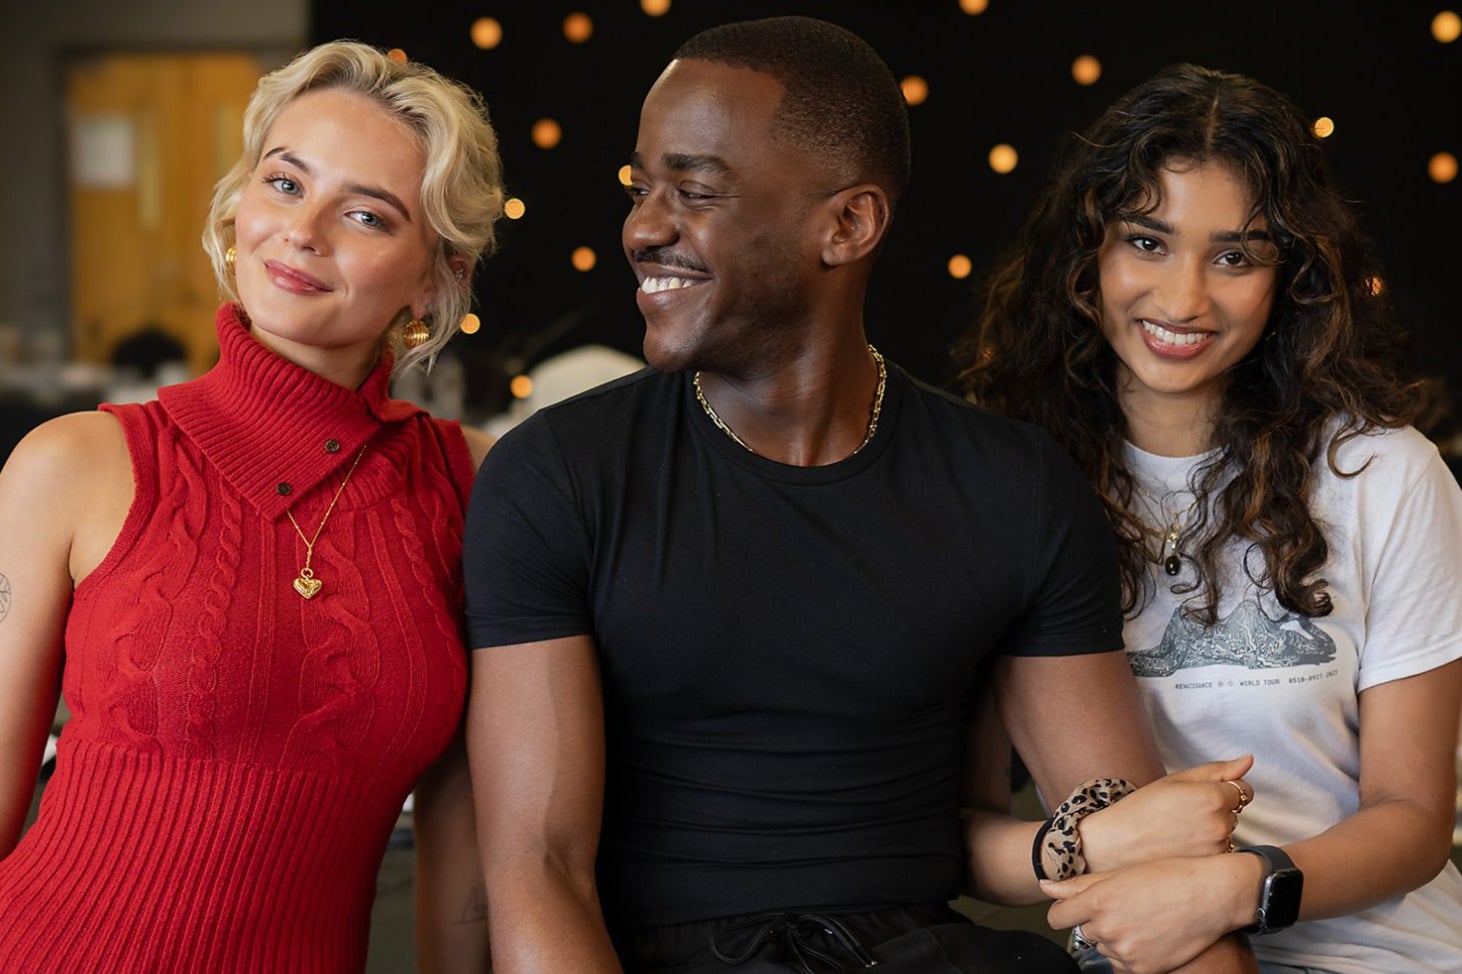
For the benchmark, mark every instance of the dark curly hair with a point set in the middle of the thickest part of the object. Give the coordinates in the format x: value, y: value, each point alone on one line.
x: 1326, y: 371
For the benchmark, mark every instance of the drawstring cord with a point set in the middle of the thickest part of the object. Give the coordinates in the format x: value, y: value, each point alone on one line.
x: 793, y: 931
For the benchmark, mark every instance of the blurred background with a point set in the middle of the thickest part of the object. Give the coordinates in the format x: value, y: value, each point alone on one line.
x: 119, y: 116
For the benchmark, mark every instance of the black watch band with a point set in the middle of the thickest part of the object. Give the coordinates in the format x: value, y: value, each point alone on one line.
x: 1279, y: 897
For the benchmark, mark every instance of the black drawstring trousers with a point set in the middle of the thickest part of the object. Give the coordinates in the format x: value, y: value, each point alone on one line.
x: 931, y: 939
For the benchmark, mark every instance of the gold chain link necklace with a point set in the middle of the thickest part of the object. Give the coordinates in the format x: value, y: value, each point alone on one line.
x: 306, y: 584
x: 872, y: 416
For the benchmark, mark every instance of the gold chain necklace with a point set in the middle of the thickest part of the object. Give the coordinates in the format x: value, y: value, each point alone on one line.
x: 306, y: 584
x: 872, y: 416
x: 1169, y: 557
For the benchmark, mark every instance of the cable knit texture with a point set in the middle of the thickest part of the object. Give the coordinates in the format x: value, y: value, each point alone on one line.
x: 236, y: 755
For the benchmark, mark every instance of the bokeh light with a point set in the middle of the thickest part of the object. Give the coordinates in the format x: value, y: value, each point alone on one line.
x: 1442, y: 167
x: 578, y: 28
x: 584, y: 259
x: 396, y: 54
x: 487, y: 33
x: 974, y: 6
x: 1324, y: 126
x: 1086, y: 70
x: 960, y: 267
x: 521, y: 387
x: 514, y: 208
x: 624, y: 175
x: 655, y: 8
x: 1447, y: 26
x: 547, y: 133
x: 1003, y: 158
x: 1375, y: 285
x: 915, y: 89
x: 471, y: 324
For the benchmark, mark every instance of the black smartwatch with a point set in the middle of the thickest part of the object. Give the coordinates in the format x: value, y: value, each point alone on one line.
x: 1279, y: 897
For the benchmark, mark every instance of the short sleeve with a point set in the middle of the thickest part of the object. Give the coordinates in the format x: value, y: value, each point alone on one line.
x: 1074, y: 599
x: 525, y: 550
x: 1411, y: 526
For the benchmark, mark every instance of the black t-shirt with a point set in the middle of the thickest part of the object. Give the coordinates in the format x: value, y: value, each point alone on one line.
x: 789, y: 654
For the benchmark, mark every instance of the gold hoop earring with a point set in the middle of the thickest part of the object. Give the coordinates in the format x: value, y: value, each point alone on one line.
x: 416, y: 333
x: 229, y: 256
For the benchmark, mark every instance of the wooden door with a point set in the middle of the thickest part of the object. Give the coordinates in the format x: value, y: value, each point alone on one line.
x: 149, y: 136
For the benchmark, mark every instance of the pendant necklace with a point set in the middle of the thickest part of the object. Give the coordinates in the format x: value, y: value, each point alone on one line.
x: 873, y: 412
x: 306, y: 584
x: 1169, y: 557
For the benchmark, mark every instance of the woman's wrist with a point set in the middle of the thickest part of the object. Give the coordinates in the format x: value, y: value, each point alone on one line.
x: 1102, y: 841
x: 1243, y: 881
x: 1058, y: 851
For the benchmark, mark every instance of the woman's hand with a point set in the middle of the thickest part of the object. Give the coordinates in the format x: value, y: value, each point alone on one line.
x: 1156, y: 916
x: 1185, y: 814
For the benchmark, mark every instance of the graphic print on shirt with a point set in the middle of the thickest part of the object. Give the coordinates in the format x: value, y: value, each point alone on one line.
x: 1246, y: 637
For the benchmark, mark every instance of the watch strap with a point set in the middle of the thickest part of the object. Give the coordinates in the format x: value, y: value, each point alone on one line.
x: 1279, y: 897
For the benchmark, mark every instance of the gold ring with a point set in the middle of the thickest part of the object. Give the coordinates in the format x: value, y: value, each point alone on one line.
x: 1244, y: 798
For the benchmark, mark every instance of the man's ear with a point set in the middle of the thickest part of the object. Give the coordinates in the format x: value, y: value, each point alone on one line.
x: 862, y: 215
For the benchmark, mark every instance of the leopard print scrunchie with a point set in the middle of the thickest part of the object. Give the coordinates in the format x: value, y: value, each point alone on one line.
x: 1058, y: 843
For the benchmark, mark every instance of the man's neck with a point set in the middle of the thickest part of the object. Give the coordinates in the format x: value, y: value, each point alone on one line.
x: 811, y: 411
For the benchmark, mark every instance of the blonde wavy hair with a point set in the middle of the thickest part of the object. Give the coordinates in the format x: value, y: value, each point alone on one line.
x: 461, y: 188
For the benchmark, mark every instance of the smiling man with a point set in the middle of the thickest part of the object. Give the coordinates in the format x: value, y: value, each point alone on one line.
x: 735, y: 610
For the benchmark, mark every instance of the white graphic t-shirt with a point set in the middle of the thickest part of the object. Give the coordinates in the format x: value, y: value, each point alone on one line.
x: 1284, y: 687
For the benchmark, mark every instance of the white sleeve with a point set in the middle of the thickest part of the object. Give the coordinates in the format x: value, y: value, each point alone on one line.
x: 1410, y: 523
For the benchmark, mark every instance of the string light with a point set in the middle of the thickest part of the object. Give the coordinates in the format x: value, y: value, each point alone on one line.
x: 584, y: 259
x: 624, y: 175
x: 960, y: 267
x: 1086, y: 70
x: 1324, y: 126
x: 655, y: 8
x: 915, y: 89
x: 521, y: 387
x: 396, y: 54
x: 471, y: 324
x: 547, y: 133
x: 578, y: 28
x: 1442, y: 167
x: 514, y: 208
x: 1003, y: 158
x: 1446, y: 26
x: 487, y: 33
x: 973, y: 7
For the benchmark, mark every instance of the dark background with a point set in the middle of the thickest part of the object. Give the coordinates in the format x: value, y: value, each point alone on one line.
x: 1001, y: 76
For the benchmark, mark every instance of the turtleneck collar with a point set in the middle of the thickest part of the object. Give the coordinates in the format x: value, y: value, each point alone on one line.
x: 273, y: 429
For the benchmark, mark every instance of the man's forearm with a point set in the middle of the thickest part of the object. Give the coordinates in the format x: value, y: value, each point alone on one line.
x: 1230, y: 955
x: 544, y: 922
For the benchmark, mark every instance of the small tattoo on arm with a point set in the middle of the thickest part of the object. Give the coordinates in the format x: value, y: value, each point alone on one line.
x: 475, y: 909
x: 4, y: 597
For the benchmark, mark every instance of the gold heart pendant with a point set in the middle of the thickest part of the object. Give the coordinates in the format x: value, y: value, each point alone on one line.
x: 308, y: 587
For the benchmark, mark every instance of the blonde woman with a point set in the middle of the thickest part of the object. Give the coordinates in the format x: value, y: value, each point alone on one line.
x: 248, y: 590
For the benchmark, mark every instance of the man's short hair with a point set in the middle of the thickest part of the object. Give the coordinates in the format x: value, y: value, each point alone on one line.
x: 841, y: 100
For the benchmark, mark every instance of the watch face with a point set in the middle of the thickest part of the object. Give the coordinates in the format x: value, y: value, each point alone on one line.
x: 1280, y: 905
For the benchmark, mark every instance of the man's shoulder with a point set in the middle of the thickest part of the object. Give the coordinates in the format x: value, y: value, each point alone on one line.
x: 973, y: 423
x: 606, y: 417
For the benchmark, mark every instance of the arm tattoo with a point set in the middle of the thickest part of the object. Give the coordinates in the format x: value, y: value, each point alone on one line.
x: 475, y: 909
x: 4, y: 597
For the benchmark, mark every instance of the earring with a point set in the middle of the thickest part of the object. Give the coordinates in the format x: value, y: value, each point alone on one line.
x: 415, y: 334
x: 229, y: 256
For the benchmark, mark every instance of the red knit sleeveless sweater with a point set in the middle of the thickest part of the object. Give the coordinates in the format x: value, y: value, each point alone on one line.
x: 236, y: 755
